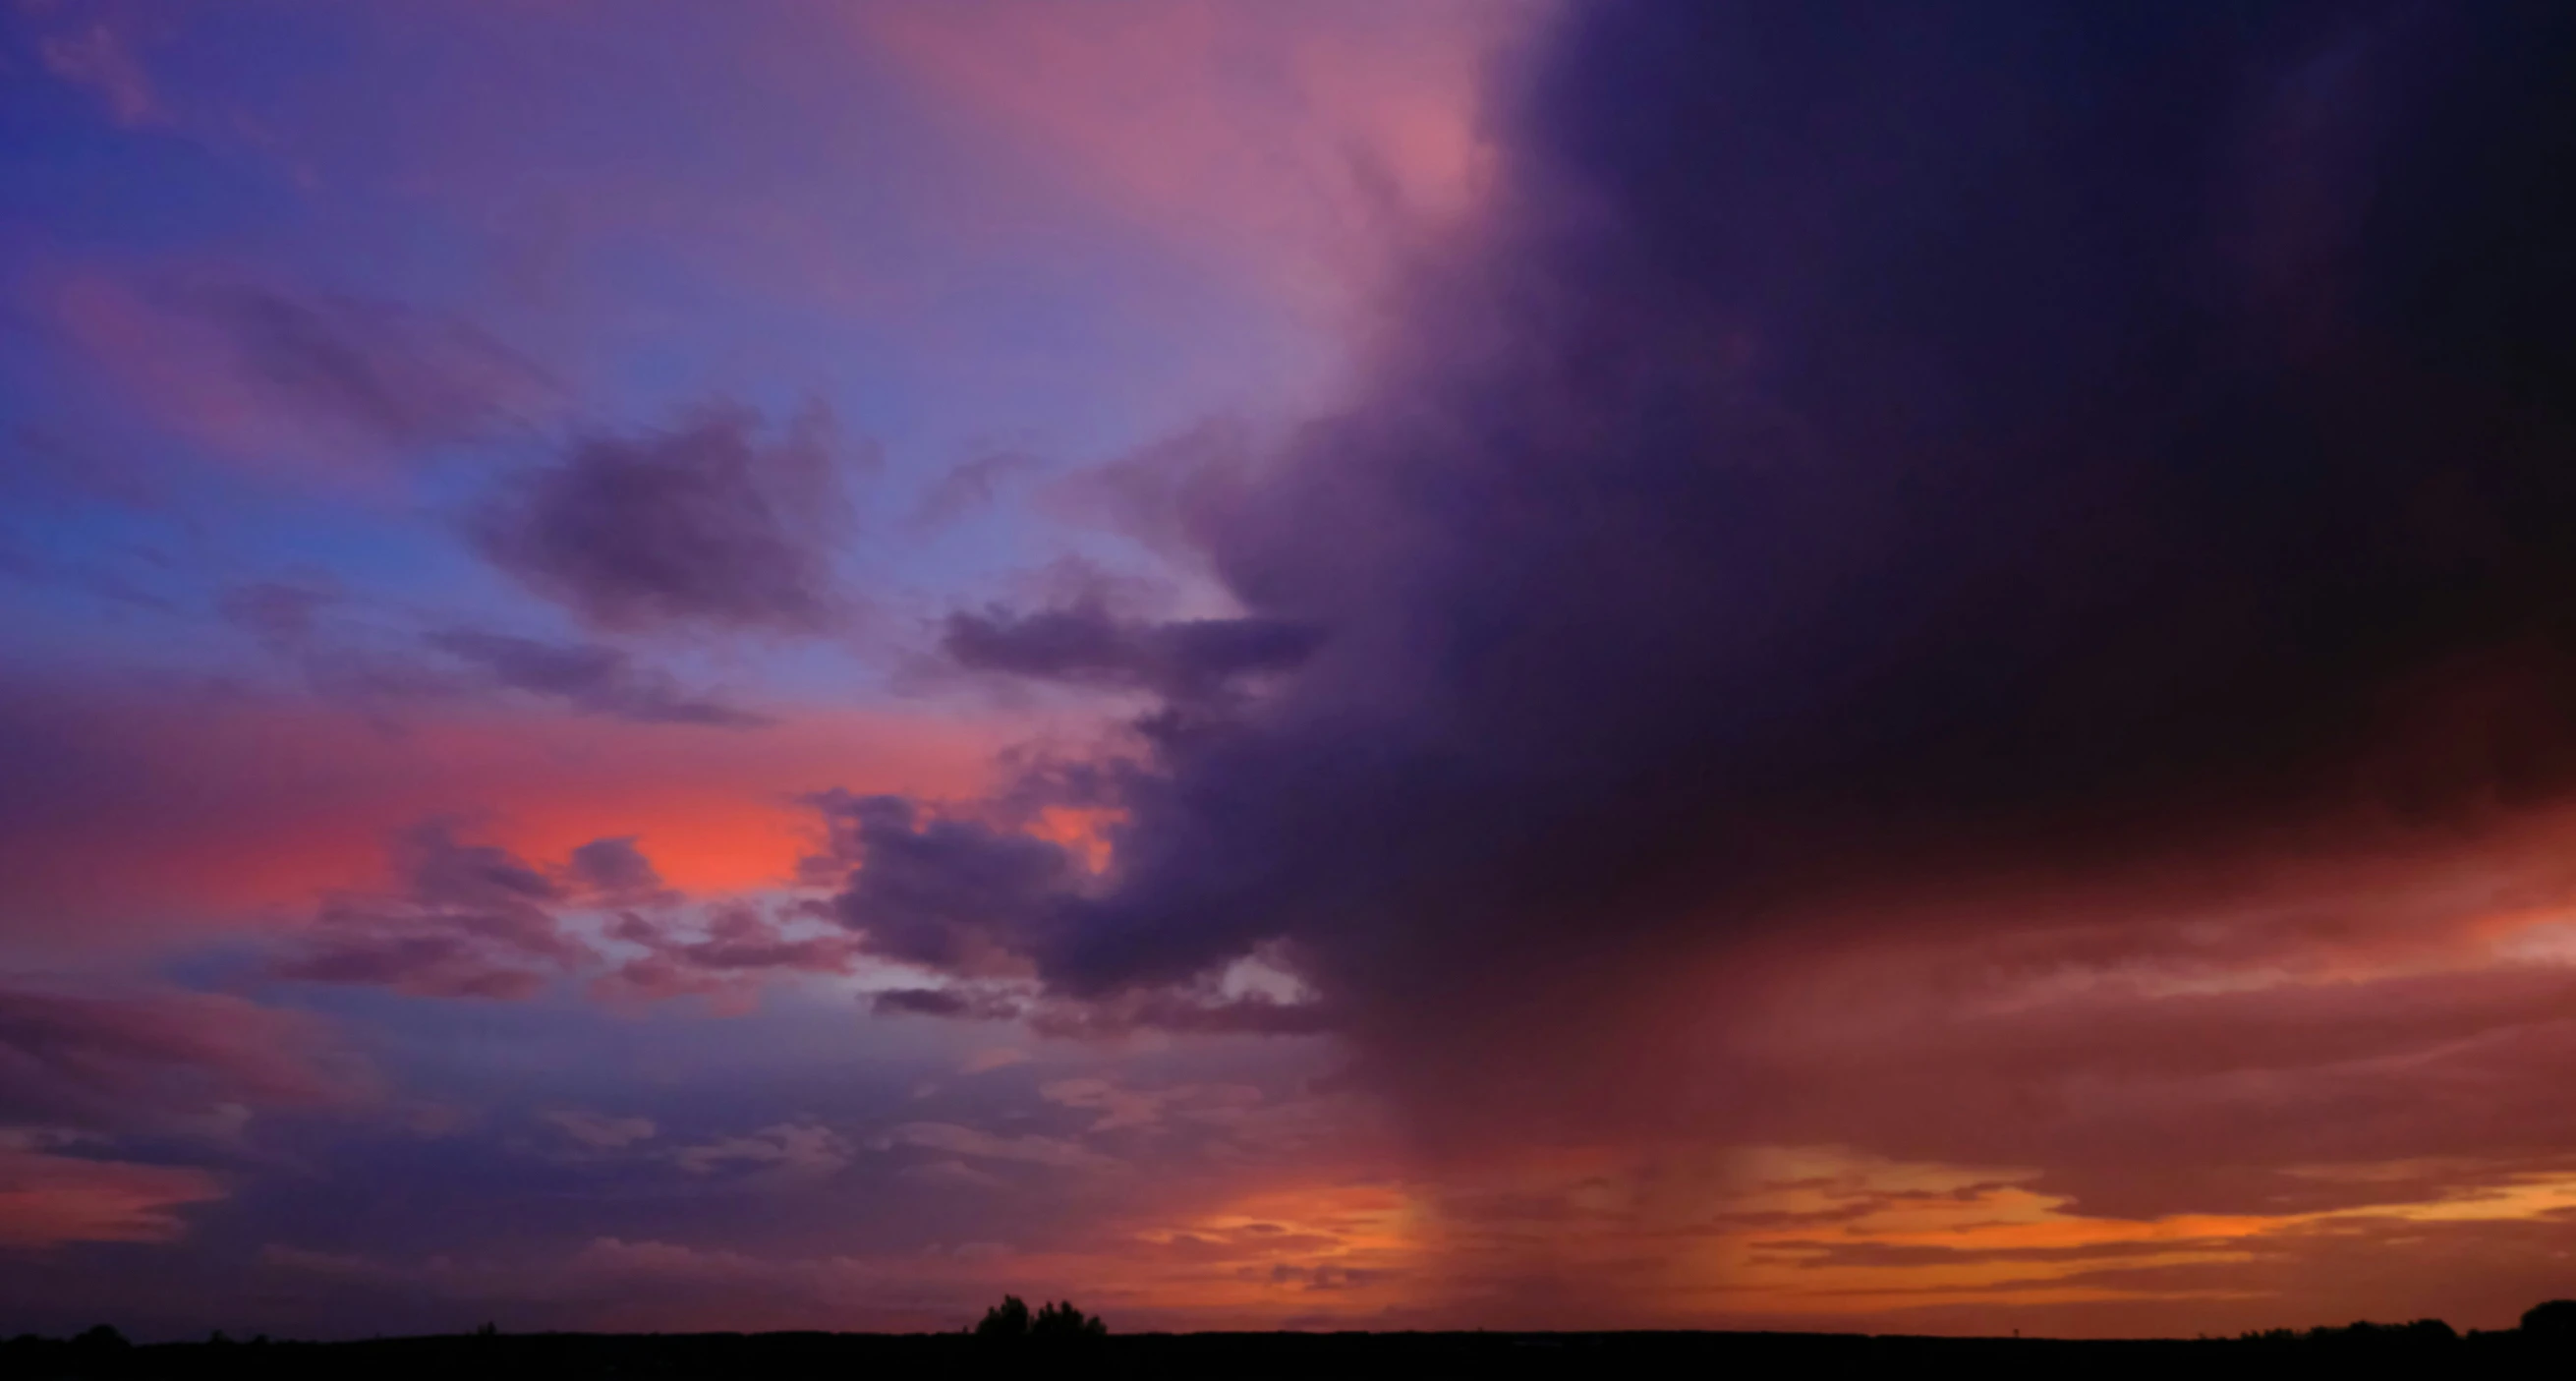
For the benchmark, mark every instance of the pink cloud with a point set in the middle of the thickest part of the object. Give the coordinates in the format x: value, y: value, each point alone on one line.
x: 47, y: 1200
x: 165, y: 811
x: 1294, y: 141
x: 290, y: 379
x: 101, y: 58
x: 157, y: 1060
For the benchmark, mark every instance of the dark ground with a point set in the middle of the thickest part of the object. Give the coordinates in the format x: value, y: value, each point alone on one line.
x: 555, y: 1356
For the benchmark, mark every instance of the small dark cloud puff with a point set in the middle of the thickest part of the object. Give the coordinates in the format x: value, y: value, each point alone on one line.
x: 615, y: 870
x: 926, y: 889
x: 705, y: 524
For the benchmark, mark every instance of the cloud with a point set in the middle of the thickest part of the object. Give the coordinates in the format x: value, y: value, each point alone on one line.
x: 157, y: 1061
x: 135, y: 812
x: 790, y: 1152
x: 972, y: 1144
x: 933, y: 890
x: 703, y: 524
x: 970, y: 486
x: 1084, y: 644
x: 1288, y: 144
x: 86, y: 1071
x: 265, y: 374
x: 1120, y: 1106
x: 102, y: 58
x: 1194, y: 1008
x: 280, y: 613
x: 406, y: 377
x: 1854, y: 486
x: 592, y: 678
x: 470, y: 920
x: 47, y: 1200
x: 736, y: 952
x: 953, y: 1173
x: 992, y: 1058
x: 976, y: 1003
x: 2096, y: 1085
x: 348, y: 661
x: 476, y: 920
x: 600, y: 1131
x: 615, y: 870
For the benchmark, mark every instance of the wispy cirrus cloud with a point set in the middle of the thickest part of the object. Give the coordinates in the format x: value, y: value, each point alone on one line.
x: 592, y: 678
x: 269, y: 375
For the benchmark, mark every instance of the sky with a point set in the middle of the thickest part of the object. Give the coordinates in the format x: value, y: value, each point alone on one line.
x: 1464, y: 663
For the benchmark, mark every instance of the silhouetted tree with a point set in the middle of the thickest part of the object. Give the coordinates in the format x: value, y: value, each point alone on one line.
x: 1011, y: 1321
x: 1062, y: 1320
x: 102, y: 1339
x: 1006, y: 1321
x: 2555, y: 1320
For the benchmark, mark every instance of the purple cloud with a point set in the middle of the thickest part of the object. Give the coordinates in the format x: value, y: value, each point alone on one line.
x: 1856, y: 459
x: 470, y: 920
x: 703, y: 524
x: 405, y: 377
x: 948, y: 892
x: 156, y: 1061
x: 615, y: 870
x: 592, y: 678
x: 970, y: 486
x: 1085, y: 644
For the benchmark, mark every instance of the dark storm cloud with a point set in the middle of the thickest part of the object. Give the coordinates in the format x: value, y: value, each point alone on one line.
x: 705, y: 523
x: 592, y: 678
x: 1877, y: 447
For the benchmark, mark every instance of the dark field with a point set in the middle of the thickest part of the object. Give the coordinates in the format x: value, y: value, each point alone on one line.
x: 2432, y: 1347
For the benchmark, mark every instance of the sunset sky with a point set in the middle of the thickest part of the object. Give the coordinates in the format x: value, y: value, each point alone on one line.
x: 1353, y: 664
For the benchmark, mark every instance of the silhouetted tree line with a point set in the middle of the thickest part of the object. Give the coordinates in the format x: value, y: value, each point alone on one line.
x: 1011, y: 1338
x: 1010, y: 1321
